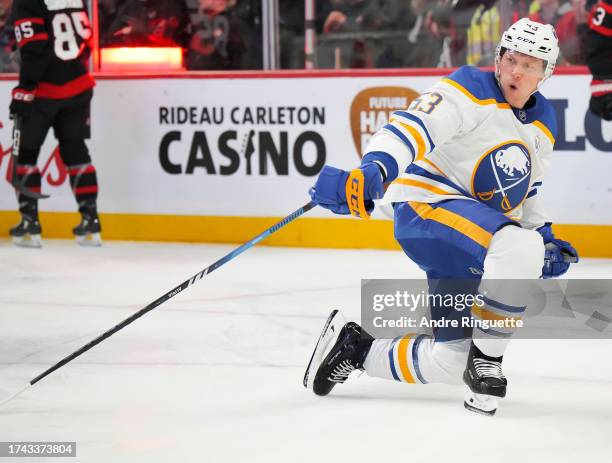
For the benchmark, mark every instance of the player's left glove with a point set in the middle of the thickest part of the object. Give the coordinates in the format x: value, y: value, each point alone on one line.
x: 558, y: 253
x: 21, y: 104
x: 601, y: 97
x: 351, y: 192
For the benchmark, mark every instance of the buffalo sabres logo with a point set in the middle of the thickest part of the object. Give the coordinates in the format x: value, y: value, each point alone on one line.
x: 501, y: 177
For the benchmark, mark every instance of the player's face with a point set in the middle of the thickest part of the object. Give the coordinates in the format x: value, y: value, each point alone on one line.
x: 519, y: 76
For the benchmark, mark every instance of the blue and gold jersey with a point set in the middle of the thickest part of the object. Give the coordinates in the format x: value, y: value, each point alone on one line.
x: 462, y: 139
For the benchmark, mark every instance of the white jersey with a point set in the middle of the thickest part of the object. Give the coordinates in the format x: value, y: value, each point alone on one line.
x: 462, y: 139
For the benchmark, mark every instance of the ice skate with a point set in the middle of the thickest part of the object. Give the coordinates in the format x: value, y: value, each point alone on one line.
x: 486, y: 382
x: 27, y: 232
x: 87, y: 233
x: 341, y: 349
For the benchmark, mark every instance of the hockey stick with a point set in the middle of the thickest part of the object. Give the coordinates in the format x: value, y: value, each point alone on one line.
x: 20, y: 186
x: 170, y: 294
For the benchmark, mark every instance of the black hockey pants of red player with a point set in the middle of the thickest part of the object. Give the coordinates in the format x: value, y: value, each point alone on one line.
x: 70, y: 120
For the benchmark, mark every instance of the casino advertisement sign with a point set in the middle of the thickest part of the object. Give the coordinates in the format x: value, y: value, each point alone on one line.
x: 253, y: 146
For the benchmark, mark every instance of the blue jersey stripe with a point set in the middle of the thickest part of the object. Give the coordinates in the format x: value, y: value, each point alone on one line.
x: 414, y: 169
x: 415, y: 358
x: 398, y: 133
x: 412, y: 117
x: 391, y: 360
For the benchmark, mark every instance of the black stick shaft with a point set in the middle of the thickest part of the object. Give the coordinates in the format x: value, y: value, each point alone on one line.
x: 173, y: 292
x: 20, y: 186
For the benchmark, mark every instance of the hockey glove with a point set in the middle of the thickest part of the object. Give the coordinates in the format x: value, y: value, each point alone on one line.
x: 360, y: 186
x: 558, y: 253
x: 601, y: 97
x: 21, y: 104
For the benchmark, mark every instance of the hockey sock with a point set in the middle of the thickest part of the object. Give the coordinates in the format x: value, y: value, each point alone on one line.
x: 28, y: 176
x: 495, y: 321
x: 84, y: 182
x: 396, y: 359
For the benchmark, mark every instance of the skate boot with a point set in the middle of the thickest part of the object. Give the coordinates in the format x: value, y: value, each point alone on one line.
x: 485, y: 380
x: 27, y: 232
x: 87, y: 232
x: 341, y: 349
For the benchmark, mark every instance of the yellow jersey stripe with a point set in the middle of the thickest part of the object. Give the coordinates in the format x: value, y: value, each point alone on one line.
x: 402, y: 357
x: 418, y: 138
x: 432, y: 164
x: 473, y: 98
x: 544, y: 129
x: 426, y: 186
x: 464, y: 226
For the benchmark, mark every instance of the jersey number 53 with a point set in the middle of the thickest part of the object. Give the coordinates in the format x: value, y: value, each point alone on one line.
x: 426, y: 103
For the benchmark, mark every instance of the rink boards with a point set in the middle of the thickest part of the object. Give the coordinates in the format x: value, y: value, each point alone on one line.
x: 216, y: 157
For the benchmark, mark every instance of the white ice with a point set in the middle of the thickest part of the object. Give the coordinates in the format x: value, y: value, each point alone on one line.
x: 214, y: 374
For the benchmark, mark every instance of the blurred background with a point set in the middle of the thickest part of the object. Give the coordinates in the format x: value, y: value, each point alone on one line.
x: 323, y: 34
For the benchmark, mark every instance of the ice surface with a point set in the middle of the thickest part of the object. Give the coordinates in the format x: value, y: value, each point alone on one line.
x: 215, y: 373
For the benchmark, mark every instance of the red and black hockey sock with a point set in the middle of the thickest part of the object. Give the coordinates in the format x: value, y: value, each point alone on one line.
x: 84, y: 182
x: 29, y: 177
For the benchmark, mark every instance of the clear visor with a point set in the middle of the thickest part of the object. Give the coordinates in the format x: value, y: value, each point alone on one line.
x: 516, y: 62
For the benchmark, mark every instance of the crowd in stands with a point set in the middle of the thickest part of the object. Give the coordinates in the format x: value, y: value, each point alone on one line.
x: 445, y: 33
x: 226, y: 34
x: 215, y: 34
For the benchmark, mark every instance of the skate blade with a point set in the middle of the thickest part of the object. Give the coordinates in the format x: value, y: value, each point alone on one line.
x: 90, y: 240
x: 480, y: 403
x: 28, y: 241
x: 330, y: 331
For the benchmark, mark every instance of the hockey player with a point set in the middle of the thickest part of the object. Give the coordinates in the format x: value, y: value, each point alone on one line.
x: 599, y: 58
x: 463, y: 165
x: 54, y: 90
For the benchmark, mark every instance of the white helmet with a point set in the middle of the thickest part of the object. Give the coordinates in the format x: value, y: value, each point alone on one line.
x: 533, y: 39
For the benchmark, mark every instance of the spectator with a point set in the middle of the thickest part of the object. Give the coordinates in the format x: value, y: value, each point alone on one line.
x: 483, y: 35
x: 291, y: 29
x: 368, y: 16
x: 441, y: 21
x: 344, y: 16
x: 547, y: 11
x: 347, y: 16
x: 386, y: 15
x: 150, y: 23
x: 9, y: 61
x: 107, y: 12
x: 217, y: 41
x: 571, y: 30
x: 423, y: 48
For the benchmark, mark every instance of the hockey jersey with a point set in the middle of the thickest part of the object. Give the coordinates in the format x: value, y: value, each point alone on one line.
x: 54, y: 38
x: 599, y: 40
x: 461, y: 139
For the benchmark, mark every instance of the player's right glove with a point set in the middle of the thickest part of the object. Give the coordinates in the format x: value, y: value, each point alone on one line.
x: 558, y: 254
x: 601, y: 97
x: 351, y: 192
x: 21, y: 104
